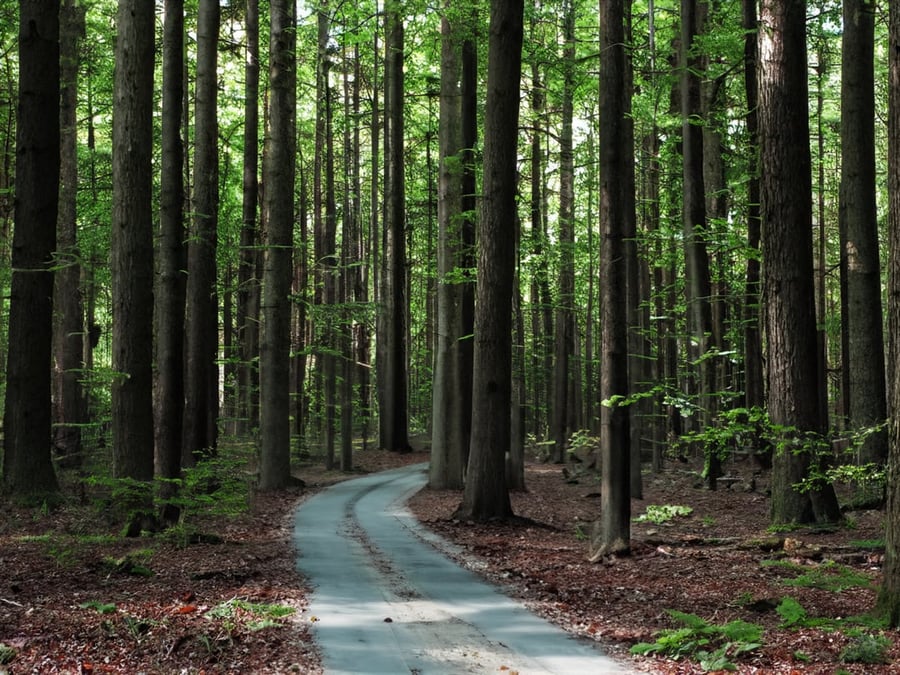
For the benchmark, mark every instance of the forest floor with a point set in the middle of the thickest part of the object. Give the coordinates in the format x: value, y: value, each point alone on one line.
x: 77, y: 598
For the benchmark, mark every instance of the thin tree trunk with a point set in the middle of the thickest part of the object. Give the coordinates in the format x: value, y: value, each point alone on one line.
x: 248, y: 282
x: 68, y: 330
x: 171, y: 284
x: 201, y: 325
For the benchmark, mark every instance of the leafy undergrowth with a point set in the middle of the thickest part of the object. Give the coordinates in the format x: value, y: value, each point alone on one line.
x: 706, y: 589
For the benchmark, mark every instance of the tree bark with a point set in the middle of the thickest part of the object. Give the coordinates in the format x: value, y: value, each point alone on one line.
x: 171, y: 284
x: 860, y: 264
x: 889, y: 594
x: 132, y: 243
x: 787, y: 244
x: 486, y: 495
x: 248, y: 281
x: 27, y: 468
x: 449, y: 438
x: 274, y: 363
x: 394, y: 422
x: 612, y: 531
x: 70, y: 406
x: 754, y: 396
x: 201, y: 325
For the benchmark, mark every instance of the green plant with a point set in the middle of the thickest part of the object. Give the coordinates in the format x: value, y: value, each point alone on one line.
x: 866, y: 648
x: 714, y: 646
x: 7, y: 654
x: 802, y: 657
x: 659, y: 514
x: 791, y: 613
x: 827, y: 576
x: 100, y: 607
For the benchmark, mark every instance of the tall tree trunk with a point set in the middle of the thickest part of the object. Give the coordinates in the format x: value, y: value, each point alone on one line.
x: 132, y: 240
x: 201, y: 325
x: 449, y: 444
x: 486, y: 495
x: 248, y: 282
x: 564, y: 346
x: 394, y: 421
x: 787, y: 224
x: 864, y: 359
x: 274, y: 353
x: 68, y: 330
x: 889, y: 594
x: 170, y: 289
x: 349, y: 227
x: 698, y: 287
x: 612, y: 532
x: 27, y: 468
x: 753, y: 363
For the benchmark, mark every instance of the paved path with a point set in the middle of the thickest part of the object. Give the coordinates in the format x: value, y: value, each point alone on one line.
x: 386, y: 601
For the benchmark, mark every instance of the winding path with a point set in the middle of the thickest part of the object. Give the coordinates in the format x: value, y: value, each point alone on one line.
x: 386, y: 601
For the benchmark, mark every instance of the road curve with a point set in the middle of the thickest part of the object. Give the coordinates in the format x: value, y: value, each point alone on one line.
x: 386, y: 601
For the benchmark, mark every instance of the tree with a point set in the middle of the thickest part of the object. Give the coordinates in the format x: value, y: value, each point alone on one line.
x: 612, y: 532
x: 27, y: 468
x: 788, y: 273
x: 69, y: 409
x: 170, y: 289
x: 698, y: 287
x: 860, y: 266
x: 754, y: 396
x: 132, y: 242
x: 564, y: 405
x: 248, y: 281
x: 274, y: 362
x: 889, y: 594
x: 486, y: 495
x: 394, y: 423
x: 201, y: 325
x: 451, y: 405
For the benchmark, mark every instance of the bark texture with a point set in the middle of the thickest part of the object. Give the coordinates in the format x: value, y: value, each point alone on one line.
x: 27, y: 470
x: 486, y: 495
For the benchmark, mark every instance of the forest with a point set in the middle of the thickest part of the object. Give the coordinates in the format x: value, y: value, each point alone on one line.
x: 240, y: 238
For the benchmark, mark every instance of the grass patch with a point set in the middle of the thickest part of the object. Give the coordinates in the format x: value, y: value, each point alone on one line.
x: 827, y: 576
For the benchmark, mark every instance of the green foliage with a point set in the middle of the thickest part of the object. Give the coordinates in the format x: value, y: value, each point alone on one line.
x: 714, y: 646
x: 791, y: 612
x: 253, y: 616
x: 828, y: 576
x: 99, y: 607
x: 659, y: 514
x: 7, y: 654
x: 866, y: 648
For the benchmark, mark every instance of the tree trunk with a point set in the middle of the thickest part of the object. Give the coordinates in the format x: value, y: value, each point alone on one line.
x: 394, y: 421
x: 860, y: 263
x: 132, y: 240
x: 696, y: 258
x: 27, y: 468
x: 274, y: 359
x: 564, y: 346
x: 486, y: 495
x: 170, y: 288
x: 449, y: 441
x: 248, y: 282
x: 787, y: 225
x: 754, y: 396
x: 612, y: 532
x: 889, y: 594
x: 69, y: 403
x: 201, y: 325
